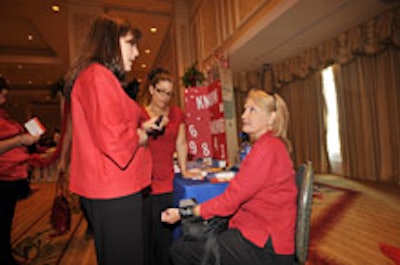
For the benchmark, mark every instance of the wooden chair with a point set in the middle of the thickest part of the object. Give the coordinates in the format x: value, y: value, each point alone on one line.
x: 304, y: 179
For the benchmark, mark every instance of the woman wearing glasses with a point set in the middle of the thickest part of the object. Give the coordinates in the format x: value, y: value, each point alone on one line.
x: 162, y: 147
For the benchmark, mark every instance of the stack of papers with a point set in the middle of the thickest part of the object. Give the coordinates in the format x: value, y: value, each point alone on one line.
x: 222, y: 176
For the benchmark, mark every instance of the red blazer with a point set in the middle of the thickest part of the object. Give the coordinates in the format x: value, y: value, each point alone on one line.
x: 162, y: 150
x: 262, y: 197
x: 13, y: 163
x: 106, y: 159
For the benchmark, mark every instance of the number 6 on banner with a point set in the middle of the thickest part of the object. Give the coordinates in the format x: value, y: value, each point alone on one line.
x: 192, y: 147
x: 192, y: 130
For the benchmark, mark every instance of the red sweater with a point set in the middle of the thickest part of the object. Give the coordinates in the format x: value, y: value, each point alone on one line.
x: 162, y: 150
x: 13, y: 163
x: 262, y: 197
x: 106, y: 159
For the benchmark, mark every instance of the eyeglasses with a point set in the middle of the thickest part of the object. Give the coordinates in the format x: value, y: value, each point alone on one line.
x: 162, y: 92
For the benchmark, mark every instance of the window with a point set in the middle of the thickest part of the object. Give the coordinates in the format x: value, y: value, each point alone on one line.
x: 332, y: 136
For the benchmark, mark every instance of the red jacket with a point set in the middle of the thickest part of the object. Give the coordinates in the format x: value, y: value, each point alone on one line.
x: 13, y: 163
x: 106, y: 159
x: 162, y: 149
x: 262, y: 197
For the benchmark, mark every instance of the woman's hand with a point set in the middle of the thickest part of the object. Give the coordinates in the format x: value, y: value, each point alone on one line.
x: 28, y: 139
x: 170, y: 216
x: 154, y: 124
x: 143, y: 137
x: 194, y: 173
x: 16, y: 141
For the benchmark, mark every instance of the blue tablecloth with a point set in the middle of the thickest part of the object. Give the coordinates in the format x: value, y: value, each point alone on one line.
x: 201, y: 190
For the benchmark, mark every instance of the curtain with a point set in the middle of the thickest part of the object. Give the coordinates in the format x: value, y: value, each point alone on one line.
x: 367, y: 67
x: 367, y: 79
x: 307, y: 129
x: 369, y: 116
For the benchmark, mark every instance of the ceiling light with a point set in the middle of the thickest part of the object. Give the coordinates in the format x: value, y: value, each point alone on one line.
x: 20, y: 67
x: 30, y: 37
x: 30, y: 82
x: 147, y: 51
x: 55, y: 8
x: 143, y: 65
x: 153, y: 29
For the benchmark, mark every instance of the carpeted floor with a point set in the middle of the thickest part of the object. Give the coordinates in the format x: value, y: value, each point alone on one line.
x: 348, y: 223
x: 33, y: 238
x: 351, y: 220
x: 330, y: 203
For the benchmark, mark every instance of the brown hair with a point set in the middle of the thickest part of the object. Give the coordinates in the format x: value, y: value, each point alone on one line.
x: 159, y: 74
x: 273, y: 103
x: 102, y: 46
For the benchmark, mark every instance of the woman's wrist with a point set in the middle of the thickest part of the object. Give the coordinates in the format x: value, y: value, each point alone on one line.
x: 186, y: 212
x: 19, y: 140
x: 188, y: 208
x: 196, y: 210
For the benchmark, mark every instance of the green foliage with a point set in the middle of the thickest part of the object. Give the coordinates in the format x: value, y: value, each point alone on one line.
x: 192, y: 77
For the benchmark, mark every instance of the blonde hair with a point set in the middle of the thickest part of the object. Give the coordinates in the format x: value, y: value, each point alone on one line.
x: 273, y: 103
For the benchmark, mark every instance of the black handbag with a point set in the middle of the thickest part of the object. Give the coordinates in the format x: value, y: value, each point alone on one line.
x: 197, y: 229
x: 60, y: 217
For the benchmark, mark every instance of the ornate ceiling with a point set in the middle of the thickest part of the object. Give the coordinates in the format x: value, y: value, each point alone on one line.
x: 40, y: 60
x: 293, y: 26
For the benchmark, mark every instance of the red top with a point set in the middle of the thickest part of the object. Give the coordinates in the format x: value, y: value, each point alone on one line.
x: 162, y: 149
x: 13, y: 163
x: 262, y: 197
x: 106, y: 159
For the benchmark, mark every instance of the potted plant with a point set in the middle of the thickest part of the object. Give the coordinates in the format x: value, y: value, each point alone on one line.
x: 192, y: 77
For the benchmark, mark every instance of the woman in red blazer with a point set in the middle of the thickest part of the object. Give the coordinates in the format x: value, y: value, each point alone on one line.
x: 110, y: 163
x: 260, y: 200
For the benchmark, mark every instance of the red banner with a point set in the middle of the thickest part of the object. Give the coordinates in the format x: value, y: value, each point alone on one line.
x: 205, y: 122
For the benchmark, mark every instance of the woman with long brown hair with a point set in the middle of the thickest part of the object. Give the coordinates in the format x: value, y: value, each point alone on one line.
x: 110, y: 163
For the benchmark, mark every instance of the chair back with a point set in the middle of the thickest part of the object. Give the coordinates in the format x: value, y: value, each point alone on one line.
x: 304, y: 179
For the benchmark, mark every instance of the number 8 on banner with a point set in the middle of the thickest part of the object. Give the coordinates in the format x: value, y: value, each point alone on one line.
x: 206, y: 150
x: 193, y: 147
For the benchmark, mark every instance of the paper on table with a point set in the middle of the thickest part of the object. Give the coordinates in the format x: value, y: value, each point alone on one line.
x: 223, y: 176
x: 196, y: 174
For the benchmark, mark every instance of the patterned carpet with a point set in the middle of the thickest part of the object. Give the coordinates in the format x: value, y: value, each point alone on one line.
x: 351, y: 219
x: 330, y: 203
x: 340, y: 217
x: 33, y: 238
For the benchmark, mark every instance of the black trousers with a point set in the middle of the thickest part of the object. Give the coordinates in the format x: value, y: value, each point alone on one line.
x: 234, y: 250
x: 9, y: 192
x: 158, y: 236
x: 118, y: 229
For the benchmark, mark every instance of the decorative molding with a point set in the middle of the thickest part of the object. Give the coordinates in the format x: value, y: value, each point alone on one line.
x: 369, y: 38
x: 245, y: 9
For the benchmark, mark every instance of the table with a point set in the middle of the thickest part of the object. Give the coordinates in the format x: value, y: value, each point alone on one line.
x: 201, y: 190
